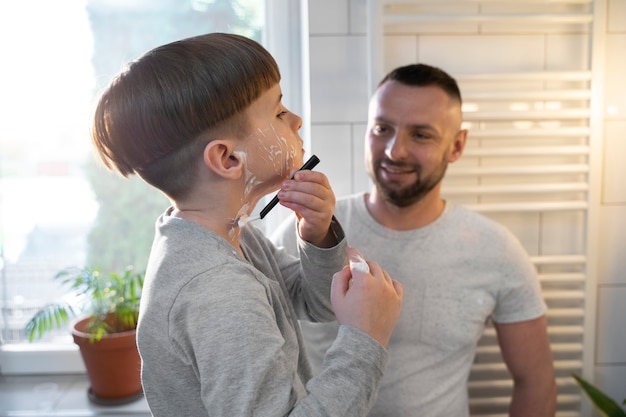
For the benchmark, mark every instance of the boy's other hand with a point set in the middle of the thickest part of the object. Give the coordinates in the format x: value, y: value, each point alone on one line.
x: 369, y: 301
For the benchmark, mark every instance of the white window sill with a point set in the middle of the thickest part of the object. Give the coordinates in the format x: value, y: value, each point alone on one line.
x: 57, y: 396
x: 38, y: 359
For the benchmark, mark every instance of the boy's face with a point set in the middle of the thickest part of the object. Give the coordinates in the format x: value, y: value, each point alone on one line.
x: 272, y: 148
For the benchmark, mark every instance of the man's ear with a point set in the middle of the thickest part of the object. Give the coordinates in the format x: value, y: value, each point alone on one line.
x: 221, y: 158
x: 458, y: 145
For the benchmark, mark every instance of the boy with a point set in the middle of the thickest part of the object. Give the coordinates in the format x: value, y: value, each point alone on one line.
x: 201, y: 119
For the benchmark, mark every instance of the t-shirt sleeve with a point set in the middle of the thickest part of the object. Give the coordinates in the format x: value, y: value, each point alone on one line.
x: 520, y: 297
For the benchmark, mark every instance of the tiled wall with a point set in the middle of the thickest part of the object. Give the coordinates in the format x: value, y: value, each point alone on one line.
x: 339, y: 106
x: 610, y: 369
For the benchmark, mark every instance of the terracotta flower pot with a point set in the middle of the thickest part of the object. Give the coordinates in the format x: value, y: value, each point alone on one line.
x: 113, y: 365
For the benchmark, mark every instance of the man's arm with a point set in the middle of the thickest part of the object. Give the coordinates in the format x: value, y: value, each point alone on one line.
x: 527, y: 354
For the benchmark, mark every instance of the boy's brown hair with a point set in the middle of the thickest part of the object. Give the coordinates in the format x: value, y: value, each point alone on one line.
x: 155, y: 117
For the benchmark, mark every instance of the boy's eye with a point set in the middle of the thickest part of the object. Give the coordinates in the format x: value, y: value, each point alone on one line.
x: 282, y: 114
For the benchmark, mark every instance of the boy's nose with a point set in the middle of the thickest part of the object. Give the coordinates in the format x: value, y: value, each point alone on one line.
x: 297, y: 122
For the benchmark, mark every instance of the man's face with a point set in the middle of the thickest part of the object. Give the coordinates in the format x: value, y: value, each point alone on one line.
x: 410, y: 140
x: 273, y: 147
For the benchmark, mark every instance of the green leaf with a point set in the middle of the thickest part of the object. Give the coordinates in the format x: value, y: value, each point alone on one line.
x: 49, y: 317
x: 110, y: 300
x: 606, y: 405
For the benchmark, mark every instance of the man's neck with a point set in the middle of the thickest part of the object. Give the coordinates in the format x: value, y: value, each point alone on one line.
x: 415, y: 216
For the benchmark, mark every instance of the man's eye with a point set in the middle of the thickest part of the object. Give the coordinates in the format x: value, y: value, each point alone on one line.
x: 420, y: 136
x: 379, y: 130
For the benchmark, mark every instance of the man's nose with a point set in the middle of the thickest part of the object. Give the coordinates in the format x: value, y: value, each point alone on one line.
x: 396, y: 148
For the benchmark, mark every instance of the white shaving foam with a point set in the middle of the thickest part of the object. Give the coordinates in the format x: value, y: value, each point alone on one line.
x: 359, y: 264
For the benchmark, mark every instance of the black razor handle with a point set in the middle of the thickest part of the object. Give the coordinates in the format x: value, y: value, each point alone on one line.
x: 310, y: 164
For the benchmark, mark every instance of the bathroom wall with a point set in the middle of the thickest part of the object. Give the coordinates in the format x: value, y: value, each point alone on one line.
x: 610, y: 357
x: 339, y: 97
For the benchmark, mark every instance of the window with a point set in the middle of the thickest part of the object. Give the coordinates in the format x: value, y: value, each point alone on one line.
x: 58, y: 206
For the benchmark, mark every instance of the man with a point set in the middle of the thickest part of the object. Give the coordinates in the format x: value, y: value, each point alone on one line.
x: 458, y: 268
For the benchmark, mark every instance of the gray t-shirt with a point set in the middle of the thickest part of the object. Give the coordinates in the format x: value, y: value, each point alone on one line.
x: 457, y: 273
x: 218, y: 333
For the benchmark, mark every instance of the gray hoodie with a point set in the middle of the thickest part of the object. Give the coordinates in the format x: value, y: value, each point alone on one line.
x: 219, y: 336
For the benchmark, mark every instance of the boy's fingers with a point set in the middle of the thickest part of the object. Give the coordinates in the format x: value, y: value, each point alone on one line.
x: 311, y: 176
x: 398, y: 287
x: 341, y: 282
x: 387, y: 276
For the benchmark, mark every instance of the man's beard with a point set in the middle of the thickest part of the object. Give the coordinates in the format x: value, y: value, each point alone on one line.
x: 404, y: 197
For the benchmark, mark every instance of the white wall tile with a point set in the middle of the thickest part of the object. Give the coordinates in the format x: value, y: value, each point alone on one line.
x: 567, y: 52
x: 333, y: 145
x: 328, y: 17
x: 479, y: 54
x: 358, y: 17
x: 614, y: 79
x: 399, y: 50
x: 616, y: 16
x: 361, y: 181
x: 613, y: 167
x: 611, y: 346
x: 340, y: 148
x: 612, y: 246
x: 338, y: 79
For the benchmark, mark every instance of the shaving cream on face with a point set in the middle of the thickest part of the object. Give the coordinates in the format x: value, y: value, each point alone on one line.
x: 272, y: 150
x: 245, y: 219
x: 249, y: 178
x: 239, y: 222
x: 243, y: 214
x: 287, y: 152
x: 278, y: 153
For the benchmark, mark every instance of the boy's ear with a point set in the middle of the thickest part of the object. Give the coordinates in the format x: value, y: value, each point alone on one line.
x: 220, y: 156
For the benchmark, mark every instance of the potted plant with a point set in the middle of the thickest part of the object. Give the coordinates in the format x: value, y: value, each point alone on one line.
x: 607, y: 406
x: 104, y: 331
